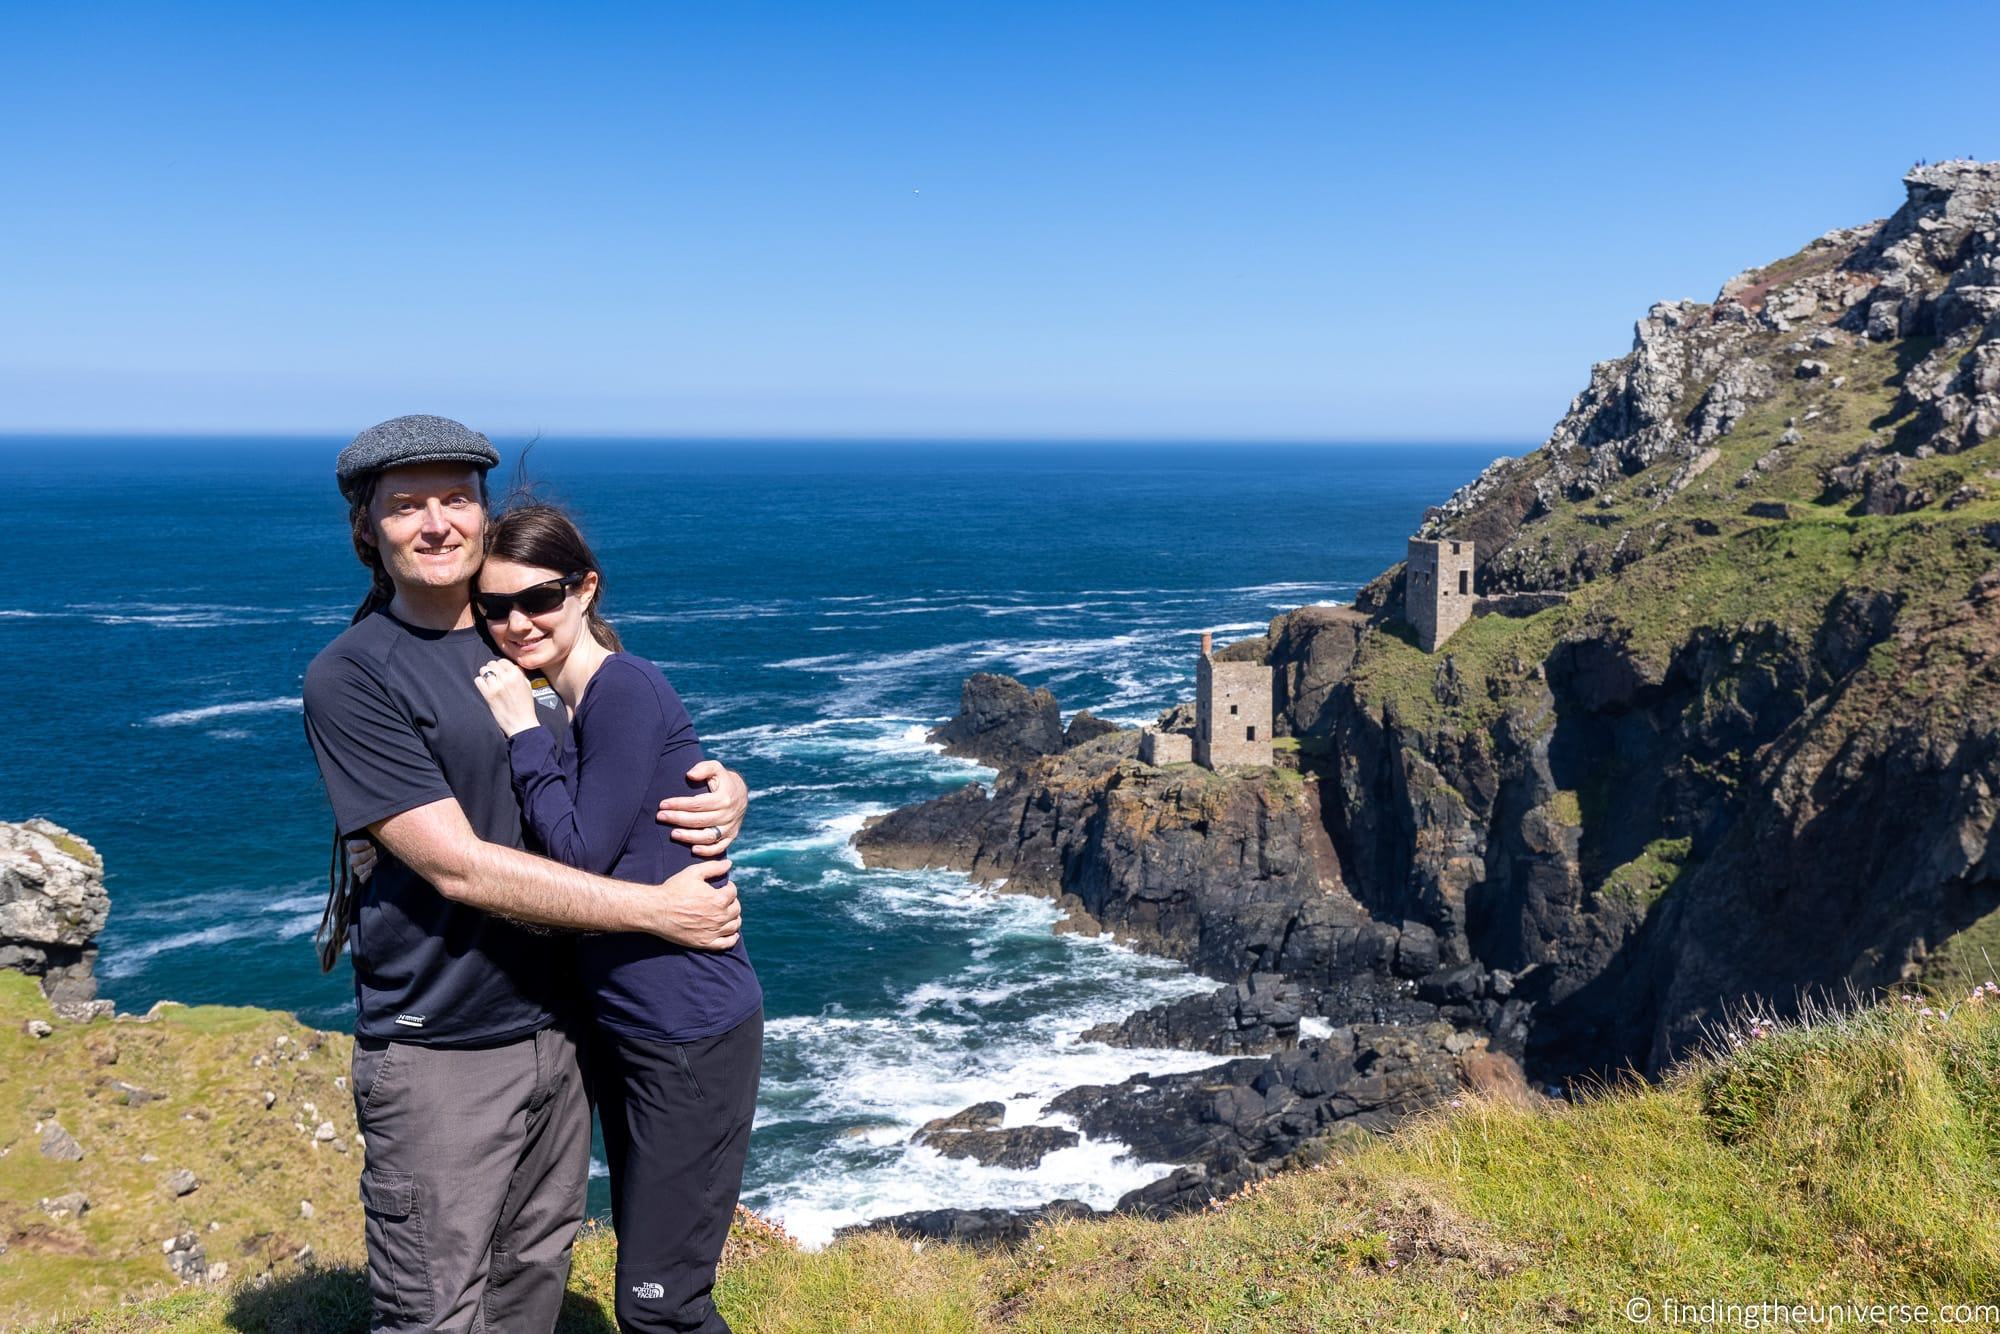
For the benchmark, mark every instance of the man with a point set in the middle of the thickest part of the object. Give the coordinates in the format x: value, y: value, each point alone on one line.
x: 465, y: 1082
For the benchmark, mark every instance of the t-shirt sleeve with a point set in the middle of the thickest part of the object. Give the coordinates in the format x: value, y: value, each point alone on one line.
x: 629, y: 734
x: 370, y: 757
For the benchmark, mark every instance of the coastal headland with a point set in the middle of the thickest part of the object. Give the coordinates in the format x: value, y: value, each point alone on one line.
x: 1723, y: 730
x: 1722, y: 744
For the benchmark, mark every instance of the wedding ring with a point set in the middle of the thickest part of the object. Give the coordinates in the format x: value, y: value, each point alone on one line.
x: 715, y: 833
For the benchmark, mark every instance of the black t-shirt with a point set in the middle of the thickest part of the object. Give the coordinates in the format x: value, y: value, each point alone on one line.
x: 396, y: 723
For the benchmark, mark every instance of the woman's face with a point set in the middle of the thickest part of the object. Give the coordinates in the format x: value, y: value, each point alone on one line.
x: 535, y: 643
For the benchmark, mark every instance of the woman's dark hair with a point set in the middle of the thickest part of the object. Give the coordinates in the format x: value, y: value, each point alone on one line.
x: 542, y: 534
x: 338, y: 919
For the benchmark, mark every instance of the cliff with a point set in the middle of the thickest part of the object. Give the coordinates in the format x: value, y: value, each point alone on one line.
x: 1731, y: 732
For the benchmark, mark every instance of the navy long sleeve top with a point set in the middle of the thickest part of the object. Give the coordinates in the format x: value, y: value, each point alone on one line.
x: 593, y: 807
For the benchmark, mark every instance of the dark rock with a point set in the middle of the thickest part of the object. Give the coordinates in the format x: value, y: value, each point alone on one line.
x: 979, y: 1116
x: 1258, y: 1015
x: 1086, y: 726
x: 1017, y: 1147
x: 1310, y: 651
x: 974, y: 1227
x: 1769, y: 509
x: 1239, y: 1120
x: 1454, y: 985
x: 1002, y: 723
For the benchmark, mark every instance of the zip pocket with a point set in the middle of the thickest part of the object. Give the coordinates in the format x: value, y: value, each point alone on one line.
x: 680, y: 1054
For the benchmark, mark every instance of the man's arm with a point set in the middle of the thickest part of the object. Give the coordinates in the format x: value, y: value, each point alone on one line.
x: 437, y: 842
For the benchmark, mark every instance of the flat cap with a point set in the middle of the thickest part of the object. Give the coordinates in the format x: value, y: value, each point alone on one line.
x: 418, y: 438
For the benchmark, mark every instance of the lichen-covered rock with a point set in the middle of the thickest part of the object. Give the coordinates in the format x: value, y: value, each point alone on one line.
x: 52, y: 906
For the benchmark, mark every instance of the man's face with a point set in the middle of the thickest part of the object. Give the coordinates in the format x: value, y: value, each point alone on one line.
x: 429, y: 524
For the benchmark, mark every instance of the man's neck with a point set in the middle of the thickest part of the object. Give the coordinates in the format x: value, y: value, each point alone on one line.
x: 445, y: 608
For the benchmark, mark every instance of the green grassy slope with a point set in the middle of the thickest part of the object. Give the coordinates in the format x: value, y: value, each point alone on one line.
x: 1852, y: 1158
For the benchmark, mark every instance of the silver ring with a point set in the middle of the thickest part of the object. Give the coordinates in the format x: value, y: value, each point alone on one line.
x: 715, y: 833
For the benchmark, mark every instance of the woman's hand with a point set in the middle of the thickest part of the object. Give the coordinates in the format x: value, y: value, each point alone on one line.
x: 711, y: 820
x: 361, y: 857
x: 507, y: 694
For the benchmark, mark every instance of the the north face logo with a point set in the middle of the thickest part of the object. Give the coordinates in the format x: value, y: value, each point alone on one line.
x: 649, y: 1290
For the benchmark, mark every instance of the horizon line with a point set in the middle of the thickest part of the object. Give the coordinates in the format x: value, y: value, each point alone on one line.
x: 254, y: 435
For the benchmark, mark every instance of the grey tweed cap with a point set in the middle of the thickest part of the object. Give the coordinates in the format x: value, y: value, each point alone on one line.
x: 418, y: 438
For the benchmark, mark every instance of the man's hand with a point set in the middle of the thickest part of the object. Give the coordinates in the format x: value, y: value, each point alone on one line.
x: 361, y: 857
x: 711, y: 820
x: 698, y: 908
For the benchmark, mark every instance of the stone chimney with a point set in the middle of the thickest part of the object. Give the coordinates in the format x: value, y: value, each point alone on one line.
x: 1207, y: 643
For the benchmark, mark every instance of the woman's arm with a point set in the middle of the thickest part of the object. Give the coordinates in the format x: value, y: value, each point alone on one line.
x: 623, y: 733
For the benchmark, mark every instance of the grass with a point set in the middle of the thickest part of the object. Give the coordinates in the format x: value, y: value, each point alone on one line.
x: 1848, y: 1157
x: 1647, y: 877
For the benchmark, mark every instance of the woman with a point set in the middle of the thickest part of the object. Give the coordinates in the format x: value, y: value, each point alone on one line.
x: 676, y: 1054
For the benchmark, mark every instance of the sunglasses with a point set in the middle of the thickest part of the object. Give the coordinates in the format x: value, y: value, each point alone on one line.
x: 534, y: 600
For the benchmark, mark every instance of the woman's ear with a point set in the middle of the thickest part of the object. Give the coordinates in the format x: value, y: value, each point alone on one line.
x: 586, y: 591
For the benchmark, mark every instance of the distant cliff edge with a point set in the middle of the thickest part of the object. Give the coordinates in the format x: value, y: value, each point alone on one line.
x: 1735, y: 737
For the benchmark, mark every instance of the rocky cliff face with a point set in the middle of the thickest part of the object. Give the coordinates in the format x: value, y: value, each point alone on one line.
x: 1735, y: 735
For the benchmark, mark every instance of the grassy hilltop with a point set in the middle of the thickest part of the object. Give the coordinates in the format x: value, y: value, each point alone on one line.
x: 1851, y: 1158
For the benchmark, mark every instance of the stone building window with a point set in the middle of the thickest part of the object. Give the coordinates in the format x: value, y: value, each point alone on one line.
x: 1249, y: 733
x: 1232, y: 710
x: 1463, y: 575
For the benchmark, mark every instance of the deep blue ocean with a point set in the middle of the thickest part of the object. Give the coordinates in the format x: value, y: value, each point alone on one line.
x: 817, y: 605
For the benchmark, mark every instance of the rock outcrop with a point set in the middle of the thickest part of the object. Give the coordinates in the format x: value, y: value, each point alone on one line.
x: 52, y: 906
x: 1733, y: 737
x: 1002, y: 723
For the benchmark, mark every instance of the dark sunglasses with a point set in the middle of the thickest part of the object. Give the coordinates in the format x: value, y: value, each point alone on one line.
x: 534, y: 600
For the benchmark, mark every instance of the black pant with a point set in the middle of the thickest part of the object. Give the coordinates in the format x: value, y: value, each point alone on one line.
x: 676, y: 1121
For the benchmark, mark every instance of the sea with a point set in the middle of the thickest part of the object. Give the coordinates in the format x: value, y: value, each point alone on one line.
x: 817, y: 604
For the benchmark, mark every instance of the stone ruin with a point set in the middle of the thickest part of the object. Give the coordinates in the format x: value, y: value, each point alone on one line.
x: 1438, y: 594
x: 1232, y: 710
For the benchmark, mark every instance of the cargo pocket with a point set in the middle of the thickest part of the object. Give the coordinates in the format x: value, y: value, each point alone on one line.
x: 399, y: 1271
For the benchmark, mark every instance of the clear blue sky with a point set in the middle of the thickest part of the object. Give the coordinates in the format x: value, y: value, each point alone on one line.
x: 1244, y: 220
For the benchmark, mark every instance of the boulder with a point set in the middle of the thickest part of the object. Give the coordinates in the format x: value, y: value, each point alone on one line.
x: 1002, y: 723
x: 1086, y: 726
x: 52, y: 906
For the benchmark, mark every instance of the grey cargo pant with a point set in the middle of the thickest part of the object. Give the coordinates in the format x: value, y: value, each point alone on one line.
x: 473, y: 1189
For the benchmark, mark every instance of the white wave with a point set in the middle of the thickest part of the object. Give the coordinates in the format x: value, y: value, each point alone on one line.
x: 1314, y: 1027
x: 184, y: 717
x: 881, y: 1078
x: 833, y: 832
x: 230, y: 915
x: 880, y: 741
x: 1265, y: 590
x: 832, y: 1194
